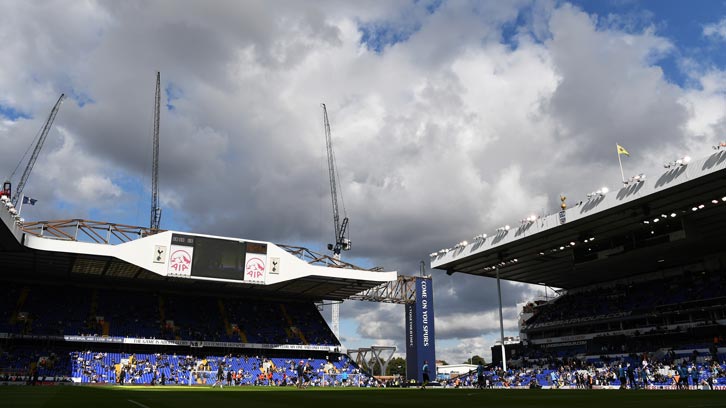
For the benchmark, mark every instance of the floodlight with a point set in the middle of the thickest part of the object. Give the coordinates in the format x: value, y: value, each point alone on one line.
x: 4, y: 199
x: 604, y: 190
x: 700, y: 206
x: 506, y: 227
x: 686, y: 159
x: 13, y: 211
x: 673, y: 215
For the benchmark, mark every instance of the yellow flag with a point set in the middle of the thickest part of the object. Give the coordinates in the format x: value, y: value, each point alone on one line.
x: 621, y: 150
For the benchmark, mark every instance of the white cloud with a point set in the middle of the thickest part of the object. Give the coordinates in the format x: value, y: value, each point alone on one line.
x: 716, y: 30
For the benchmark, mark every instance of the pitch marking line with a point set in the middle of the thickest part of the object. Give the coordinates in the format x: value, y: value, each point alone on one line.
x: 138, y: 403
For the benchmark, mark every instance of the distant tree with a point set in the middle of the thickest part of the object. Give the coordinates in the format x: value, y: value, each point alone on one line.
x: 475, y: 360
x: 397, y: 366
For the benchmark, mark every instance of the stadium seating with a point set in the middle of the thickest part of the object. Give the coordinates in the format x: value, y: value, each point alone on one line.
x: 98, y: 367
x: 32, y: 309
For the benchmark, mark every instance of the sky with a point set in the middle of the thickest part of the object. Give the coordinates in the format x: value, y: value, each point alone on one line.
x: 448, y: 119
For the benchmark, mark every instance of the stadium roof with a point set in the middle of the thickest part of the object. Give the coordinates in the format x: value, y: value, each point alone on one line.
x: 54, y: 249
x: 674, y: 219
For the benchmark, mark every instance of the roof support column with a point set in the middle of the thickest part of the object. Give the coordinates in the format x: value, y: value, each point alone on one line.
x: 501, y: 322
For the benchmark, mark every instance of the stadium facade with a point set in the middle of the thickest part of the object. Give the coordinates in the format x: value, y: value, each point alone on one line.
x: 639, y: 271
x: 101, y: 302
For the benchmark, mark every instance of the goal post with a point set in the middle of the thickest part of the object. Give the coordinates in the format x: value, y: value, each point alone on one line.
x: 201, y: 377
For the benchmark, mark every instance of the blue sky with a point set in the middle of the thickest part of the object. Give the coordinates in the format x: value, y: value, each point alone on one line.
x: 679, y: 21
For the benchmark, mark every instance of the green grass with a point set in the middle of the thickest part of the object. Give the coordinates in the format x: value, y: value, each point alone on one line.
x: 195, y: 397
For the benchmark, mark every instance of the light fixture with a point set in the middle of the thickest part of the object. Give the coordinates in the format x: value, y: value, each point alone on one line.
x: 433, y: 254
x: 646, y: 222
x: 529, y: 220
x: 673, y: 215
x: 638, y: 178
x: 656, y: 219
x: 13, y: 211
x: 700, y: 206
x: 714, y: 201
x: 683, y: 161
x: 720, y: 146
x: 4, y: 199
x: 723, y: 198
x: 694, y: 209
x: 480, y: 237
x: 599, y: 193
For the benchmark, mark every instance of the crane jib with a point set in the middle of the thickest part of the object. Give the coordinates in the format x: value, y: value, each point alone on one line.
x: 36, y: 150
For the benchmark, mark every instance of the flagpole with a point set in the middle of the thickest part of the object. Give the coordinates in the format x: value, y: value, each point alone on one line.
x: 22, y: 198
x: 620, y: 162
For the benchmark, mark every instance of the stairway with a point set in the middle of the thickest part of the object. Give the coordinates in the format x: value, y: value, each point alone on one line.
x: 20, y: 303
x: 291, y: 324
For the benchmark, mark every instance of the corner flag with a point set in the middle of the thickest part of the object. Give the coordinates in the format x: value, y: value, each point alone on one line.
x: 621, y: 150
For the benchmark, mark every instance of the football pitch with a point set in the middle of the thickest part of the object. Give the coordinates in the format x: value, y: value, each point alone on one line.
x: 196, y: 397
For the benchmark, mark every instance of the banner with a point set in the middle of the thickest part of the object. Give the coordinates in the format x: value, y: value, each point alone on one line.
x: 255, y: 268
x: 420, y: 334
x: 181, y: 255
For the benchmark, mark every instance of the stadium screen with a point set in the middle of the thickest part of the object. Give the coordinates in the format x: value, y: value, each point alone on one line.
x: 219, y: 258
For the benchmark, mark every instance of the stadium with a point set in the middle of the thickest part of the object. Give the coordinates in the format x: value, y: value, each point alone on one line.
x: 640, y: 281
x: 639, y: 274
x: 167, y: 307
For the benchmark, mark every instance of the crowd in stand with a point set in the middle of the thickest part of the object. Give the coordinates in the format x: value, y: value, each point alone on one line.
x: 625, y: 372
x: 235, y: 370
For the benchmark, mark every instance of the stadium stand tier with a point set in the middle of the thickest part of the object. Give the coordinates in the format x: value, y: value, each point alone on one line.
x: 74, y: 331
x: 33, y: 309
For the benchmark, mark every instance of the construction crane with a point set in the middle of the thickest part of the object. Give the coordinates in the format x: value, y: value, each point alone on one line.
x: 341, y: 242
x: 155, y: 209
x: 34, y: 156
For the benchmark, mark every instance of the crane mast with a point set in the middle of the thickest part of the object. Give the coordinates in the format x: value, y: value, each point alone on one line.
x: 36, y: 151
x: 155, y: 209
x: 341, y: 242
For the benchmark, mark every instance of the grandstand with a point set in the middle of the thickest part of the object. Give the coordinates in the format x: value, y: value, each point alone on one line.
x: 92, y: 302
x: 640, y: 274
